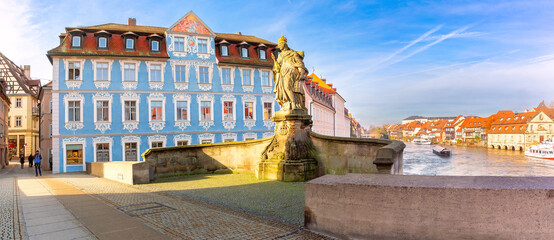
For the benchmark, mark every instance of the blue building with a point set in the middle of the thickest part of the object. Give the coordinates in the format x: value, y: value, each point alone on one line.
x: 121, y: 89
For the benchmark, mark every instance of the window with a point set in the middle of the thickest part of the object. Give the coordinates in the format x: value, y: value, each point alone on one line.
x: 155, y: 46
x: 205, y: 111
x: 74, y: 111
x: 102, y: 111
x: 50, y: 106
x: 229, y: 140
x: 244, y: 52
x: 179, y: 44
x: 157, y: 144
x: 50, y: 130
x: 130, y: 110
x: 74, y: 71
x: 9, y: 121
x: 180, y: 73
x: 76, y: 42
x: 224, y: 51
x: 18, y: 121
x: 181, y: 110
x: 74, y: 154
x: 226, y: 76
x: 206, y: 141
x: 18, y: 102
x: 102, y: 152
x: 182, y: 143
x: 203, y: 75
x: 102, y: 72
x: 246, y: 78
x: 228, y: 110
x: 202, y: 46
x: 268, y: 110
x: 129, y: 72
x: 156, y: 111
x: 262, y: 54
x: 155, y: 73
x: 129, y: 44
x: 265, y: 78
x: 248, y: 110
x: 131, y: 151
x: 102, y: 42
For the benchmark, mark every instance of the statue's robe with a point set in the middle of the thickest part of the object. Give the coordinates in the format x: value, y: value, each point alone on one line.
x: 290, y: 75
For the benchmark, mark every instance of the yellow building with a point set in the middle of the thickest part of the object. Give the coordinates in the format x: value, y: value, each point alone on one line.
x: 23, y: 118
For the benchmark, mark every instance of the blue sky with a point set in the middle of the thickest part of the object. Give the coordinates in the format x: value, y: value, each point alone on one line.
x: 388, y: 59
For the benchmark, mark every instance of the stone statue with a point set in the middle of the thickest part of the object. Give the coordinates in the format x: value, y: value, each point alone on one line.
x: 289, y: 74
x: 290, y: 156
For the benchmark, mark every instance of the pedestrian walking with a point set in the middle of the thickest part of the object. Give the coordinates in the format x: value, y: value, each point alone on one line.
x: 31, y: 158
x: 37, y: 159
x: 22, y: 160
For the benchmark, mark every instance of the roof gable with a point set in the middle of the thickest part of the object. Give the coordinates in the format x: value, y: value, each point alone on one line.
x: 190, y: 23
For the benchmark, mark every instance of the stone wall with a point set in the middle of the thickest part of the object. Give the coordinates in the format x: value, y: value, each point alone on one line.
x: 125, y: 172
x: 375, y: 206
x: 242, y: 155
x: 340, y: 155
x: 335, y: 155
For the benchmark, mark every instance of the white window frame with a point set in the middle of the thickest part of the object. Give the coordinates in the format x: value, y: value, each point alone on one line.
x: 156, y: 124
x: 251, y: 77
x: 260, y: 55
x: 175, y: 73
x: 204, y: 86
x: 66, y: 65
x: 207, y: 45
x: 100, y: 140
x: 182, y: 137
x: 108, y: 98
x: 20, y: 121
x: 249, y: 135
x: 269, y: 78
x: 272, y: 109
x: 201, y: 98
x: 18, y: 102
x: 73, y: 141
x: 100, y: 47
x: 206, y: 136
x: 209, y: 79
x: 130, y: 139
x: 131, y: 97
x: 253, y: 111
x: 177, y: 111
x: 249, y: 98
x: 150, y: 109
x: 231, y: 75
x: 81, y: 100
x: 227, y: 47
x: 109, y: 62
x: 73, y: 41
x: 157, y: 138
x: 234, y: 104
x: 133, y: 41
x: 152, y: 46
x: 136, y: 63
x: 232, y: 136
x: 184, y: 43
x: 162, y: 68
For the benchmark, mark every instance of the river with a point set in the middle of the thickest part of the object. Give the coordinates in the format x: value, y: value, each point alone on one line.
x: 473, y: 161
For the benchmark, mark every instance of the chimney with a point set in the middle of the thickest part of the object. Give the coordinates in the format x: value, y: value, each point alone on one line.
x: 27, y: 71
x: 132, y: 21
x: 239, y: 33
x: 61, y: 38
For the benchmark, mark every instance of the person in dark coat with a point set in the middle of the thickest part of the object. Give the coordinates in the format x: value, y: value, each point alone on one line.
x: 31, y: 158
x: 37, y: 159
x: 22, y: 160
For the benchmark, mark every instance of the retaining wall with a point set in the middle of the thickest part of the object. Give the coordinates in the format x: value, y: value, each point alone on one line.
x: 335, y: 155
x: 375, y: 206
x: 125, y: 172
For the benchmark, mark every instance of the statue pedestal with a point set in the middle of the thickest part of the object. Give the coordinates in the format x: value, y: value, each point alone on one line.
x: 290, y: 155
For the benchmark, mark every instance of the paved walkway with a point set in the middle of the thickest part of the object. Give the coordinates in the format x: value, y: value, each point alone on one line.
x: 79, y: 206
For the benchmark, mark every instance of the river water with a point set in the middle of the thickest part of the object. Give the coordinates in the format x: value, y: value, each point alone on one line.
x: 473, y: 161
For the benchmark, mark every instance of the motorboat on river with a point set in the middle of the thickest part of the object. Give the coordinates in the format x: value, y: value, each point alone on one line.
x: 421, y: 141
x: 543, y: 150
x: 441, y: 151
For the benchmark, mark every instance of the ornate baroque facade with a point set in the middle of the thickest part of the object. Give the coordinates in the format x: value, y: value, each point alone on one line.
x: 121, y: 89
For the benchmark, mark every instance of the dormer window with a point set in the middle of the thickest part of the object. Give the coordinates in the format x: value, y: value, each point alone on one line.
x: 129, y: 44
x: 77, y: 38
x: 224, y: 48
x: 155, y: 42
x: 76, y: 42
x: 262, y: 51
x: 129, y: 39
x: 102, y: 39
x: 102, y: 42
x: 155, y: 46
x: 244, y: 50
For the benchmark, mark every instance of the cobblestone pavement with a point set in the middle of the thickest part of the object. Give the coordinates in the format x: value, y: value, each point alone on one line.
x: 181, y: 217
x: 281, y: 201
x: 6, y: 208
